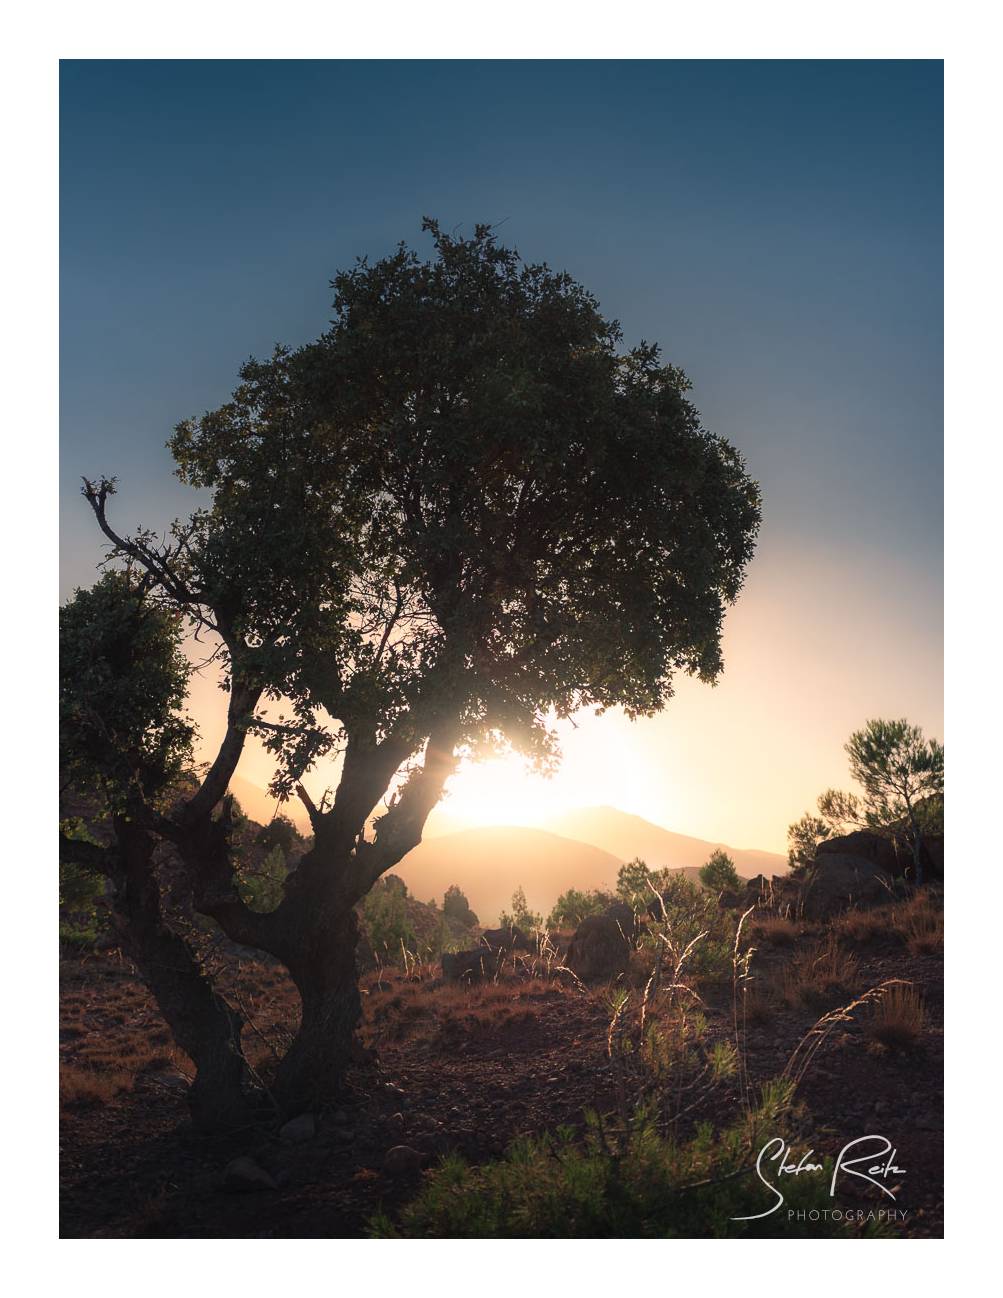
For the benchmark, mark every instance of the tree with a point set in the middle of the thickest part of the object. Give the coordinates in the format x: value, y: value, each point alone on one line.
x: 462, y: 512
x: 574, y: 905
x: 803, y: 838
x: 125, y: 742
x: 719, y: 872
x: 455, y: 906
x: 902, y: 778
x: 521, y: 915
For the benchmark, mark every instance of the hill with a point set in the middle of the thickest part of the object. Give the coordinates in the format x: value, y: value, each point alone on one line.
x: 489, y: 864
x: 625, y: 836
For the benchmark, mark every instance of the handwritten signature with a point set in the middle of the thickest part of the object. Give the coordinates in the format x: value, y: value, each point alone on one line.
x: 874, y: 1164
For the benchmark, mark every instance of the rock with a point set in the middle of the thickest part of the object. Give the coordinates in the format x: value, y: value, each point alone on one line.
x: 396, y: 1123
x: 839, y: 880
x: 297, y: 1131
x: 344, y: 1135
x: 340, y: 1118
x: 624, y: 918
x: 867, y: 846
x: 470, y: 966
x: 507, y: 939
x: 243, y: 1175
x: 402, y: 1160
x: 598, y: 948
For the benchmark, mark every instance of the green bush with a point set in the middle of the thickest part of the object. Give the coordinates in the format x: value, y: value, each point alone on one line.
x: 81, y: 917
x: 385, y: 916
x: 521, y: 917
x: 574, y: 905
x: 719, y: 873
x: 596, y: 1186
x: 684, y: 912
x: 261, y: 884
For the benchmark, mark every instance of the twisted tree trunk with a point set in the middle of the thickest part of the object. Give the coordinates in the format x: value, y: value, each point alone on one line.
x: 203, y: 1024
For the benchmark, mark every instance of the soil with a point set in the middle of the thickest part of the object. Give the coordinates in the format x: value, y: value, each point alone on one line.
x: 444, y: 1068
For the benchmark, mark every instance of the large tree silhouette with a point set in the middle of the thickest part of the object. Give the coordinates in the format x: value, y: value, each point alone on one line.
x: 465, y: 510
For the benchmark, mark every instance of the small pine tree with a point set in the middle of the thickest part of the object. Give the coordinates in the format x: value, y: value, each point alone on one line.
x: 719, y: 873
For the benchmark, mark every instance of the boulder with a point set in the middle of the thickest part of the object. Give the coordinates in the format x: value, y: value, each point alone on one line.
x: 598, y: 949
x: 878, y: 850
x: 507, y: 939
x: 244, y: 1175
x: 402, y: 1160
x: 470, y: 966
x: 297, y: 1131
x: 625, y: 919
x: 839, y: 880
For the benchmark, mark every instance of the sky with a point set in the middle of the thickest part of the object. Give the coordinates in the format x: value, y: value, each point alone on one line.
x: 775, y: 226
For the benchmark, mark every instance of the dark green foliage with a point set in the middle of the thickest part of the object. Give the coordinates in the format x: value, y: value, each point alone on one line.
x: 280, y: 832
x: 574, y: 905
x: 643, y: 1185
x: 521, y: 916
x: 385, y: 916
x: 719, y: 873
x: 901, y: 775
x: 122, y: 684
x: 686, y: 910
x: 514, y: 515
x: 81, y: 918
x: 456, y: 907
x: 261, y: 881
x: 637, y: 884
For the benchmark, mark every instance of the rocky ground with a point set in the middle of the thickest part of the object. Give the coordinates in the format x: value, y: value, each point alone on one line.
x: 453, y: 1068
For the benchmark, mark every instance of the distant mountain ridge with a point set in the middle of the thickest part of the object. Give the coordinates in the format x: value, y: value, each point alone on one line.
x: 583, y: 849
x: 488, y: 864
x: 626, y: 836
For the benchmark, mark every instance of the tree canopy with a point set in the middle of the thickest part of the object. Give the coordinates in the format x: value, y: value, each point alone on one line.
x: 466, y: 509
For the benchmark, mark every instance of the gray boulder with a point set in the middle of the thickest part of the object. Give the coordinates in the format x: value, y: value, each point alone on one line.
x: 598, y: 949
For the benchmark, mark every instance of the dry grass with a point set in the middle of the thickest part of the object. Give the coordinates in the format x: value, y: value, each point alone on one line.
x: 395, y: 1008
x: 920, y: 923
x: 774, y: 930
x: 82, y: 1085
x: 897, y: 1020
x: 820, y: 974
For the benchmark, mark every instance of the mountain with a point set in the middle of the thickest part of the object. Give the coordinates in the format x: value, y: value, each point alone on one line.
x: 489, y: 864
x: 625, y: 836
x: 260, y: 806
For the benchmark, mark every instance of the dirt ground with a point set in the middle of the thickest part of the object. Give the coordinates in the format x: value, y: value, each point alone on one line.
x: 446, y: 1068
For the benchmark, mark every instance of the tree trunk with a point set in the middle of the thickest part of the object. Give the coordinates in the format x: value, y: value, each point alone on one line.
x: 203, y: 1024
x: 326, y: 977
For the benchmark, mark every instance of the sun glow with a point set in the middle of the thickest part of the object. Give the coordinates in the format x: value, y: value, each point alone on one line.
x: 502, y: 791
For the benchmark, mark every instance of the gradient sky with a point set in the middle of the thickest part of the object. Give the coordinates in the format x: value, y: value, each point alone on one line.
x: 776, y: 226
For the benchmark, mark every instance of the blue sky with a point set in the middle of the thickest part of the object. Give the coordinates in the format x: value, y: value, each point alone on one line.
x: 776, y: 226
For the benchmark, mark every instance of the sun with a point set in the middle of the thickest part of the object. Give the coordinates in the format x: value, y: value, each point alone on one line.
x: 501, y: 791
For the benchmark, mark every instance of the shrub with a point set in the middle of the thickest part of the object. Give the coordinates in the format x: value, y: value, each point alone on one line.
x: 600, y: 1186
x: 897, y: 1018
x: 719, y: 873
x: 574, y: 905
x: 683, y: 912
x: 774, y: 930
x: 261, y: 883
x: 385, y: 916
x: 820, y: 974
x: 521, y: 916
x: 456, y: 907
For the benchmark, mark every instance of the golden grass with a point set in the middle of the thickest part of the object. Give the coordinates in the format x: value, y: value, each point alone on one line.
x: 897, y: 1020
x: 819, y: 974
x: 774, y: 930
